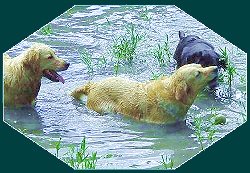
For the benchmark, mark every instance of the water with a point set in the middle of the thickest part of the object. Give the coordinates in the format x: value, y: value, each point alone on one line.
x: 131, y: 144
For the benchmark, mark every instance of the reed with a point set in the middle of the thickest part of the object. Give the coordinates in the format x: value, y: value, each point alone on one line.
x: 46, y: 30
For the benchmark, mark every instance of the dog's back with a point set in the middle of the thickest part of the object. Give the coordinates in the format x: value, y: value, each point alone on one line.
x: 192, y: 49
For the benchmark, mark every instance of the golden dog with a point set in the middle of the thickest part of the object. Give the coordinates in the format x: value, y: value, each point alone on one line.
x: 160, y: 101
x: 22, y: 74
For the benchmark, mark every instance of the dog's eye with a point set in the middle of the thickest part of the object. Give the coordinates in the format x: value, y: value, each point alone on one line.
x: 50, y: 57
x: 197, y: 74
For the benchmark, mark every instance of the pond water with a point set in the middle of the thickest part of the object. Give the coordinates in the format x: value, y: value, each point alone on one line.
x: 121, y: 142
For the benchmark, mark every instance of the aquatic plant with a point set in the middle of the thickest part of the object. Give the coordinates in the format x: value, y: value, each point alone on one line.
x: 205, y: 127
x: 58, y: 146
x: 156, y: 75
x: 70, y: 11
x: 162, y: 53
x: 198, y: 130
x: 116, y: 68
x: 244, y: 115
x: 166, y: 48
x: 108, y: 155
x: 144, y: 14
x: 230, y: 70
x: 78, y: 158
x: 46, y: 30
x: 87, y: 60
x: 242, y: 104
x: 167, y: 162
x: 109, y: 23
x: 124, y: 47
x: 158, y: 54
x: 102, y: 62
x: 212, y: 120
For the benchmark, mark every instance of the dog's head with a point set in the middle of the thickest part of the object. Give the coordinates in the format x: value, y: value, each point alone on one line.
x: 197, y: 50
x: 42, y: 59
x: 190, y: 79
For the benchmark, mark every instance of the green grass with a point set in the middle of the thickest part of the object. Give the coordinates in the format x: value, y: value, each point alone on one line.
x: 58, y: 146
x: 124, y: 47
x: 230, y: 70
x: 70, y: 11
x: 206, y: 127
x: 158, y: 54
x: 167, y: 162
x: 212, y: 121
x: 156, y: 76
x: 87, y: 59
x: 144, y: 14
x: 78, y: 157
x: 108, y: 22
x: 162, y: 53
x: 107, y: 156
x: 46, y: 30
x: 166, y: 48
x: 198, y: 130
x: 102, y: 62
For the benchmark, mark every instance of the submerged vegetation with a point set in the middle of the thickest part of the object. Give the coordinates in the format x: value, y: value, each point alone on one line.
x: 206, y: 127
x: 58, y: 146
x: 230, y: 70
x: 162, y: 53
x: 156, y: 76
x: 46, y: 30
x: 78, y: 157
x: 167, y: 162
x: 87, y: 60
x: 124, y: 47
x: 144, y: 14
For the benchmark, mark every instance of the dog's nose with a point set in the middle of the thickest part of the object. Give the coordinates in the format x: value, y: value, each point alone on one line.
x: 67, y: 65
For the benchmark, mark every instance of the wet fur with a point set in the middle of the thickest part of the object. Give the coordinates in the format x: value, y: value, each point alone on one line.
x: 159, y: 101
x: 192, y: 49
x: 22, y: 74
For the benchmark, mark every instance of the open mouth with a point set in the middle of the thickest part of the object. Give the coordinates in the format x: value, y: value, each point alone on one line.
x: 53, y: 76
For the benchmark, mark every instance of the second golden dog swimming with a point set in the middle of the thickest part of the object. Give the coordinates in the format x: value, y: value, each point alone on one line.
x: 165, y: 100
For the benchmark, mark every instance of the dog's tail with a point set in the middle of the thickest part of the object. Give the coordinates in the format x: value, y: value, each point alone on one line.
x: 81, y: 91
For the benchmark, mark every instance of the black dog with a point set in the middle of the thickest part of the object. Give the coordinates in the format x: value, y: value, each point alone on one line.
x: 192, y: 49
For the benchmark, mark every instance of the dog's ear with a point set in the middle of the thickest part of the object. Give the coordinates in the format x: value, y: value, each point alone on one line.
x: 181, y: 92
x: 181, y: 34
x: 31, y: 60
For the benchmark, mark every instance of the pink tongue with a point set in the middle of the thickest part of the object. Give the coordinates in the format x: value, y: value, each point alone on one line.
x: 60, y: 78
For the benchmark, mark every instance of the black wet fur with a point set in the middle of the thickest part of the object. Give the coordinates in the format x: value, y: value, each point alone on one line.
x: 192, y: 49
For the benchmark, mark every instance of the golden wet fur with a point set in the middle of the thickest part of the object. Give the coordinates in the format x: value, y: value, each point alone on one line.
x: 160, y: 101
x: 22, y: 74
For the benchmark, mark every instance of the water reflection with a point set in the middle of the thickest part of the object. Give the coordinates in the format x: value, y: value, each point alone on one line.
x: 25, y: 119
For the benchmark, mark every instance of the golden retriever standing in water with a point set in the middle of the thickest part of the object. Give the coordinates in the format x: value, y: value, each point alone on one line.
x: 160, y: 101
x: 22, y: 74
